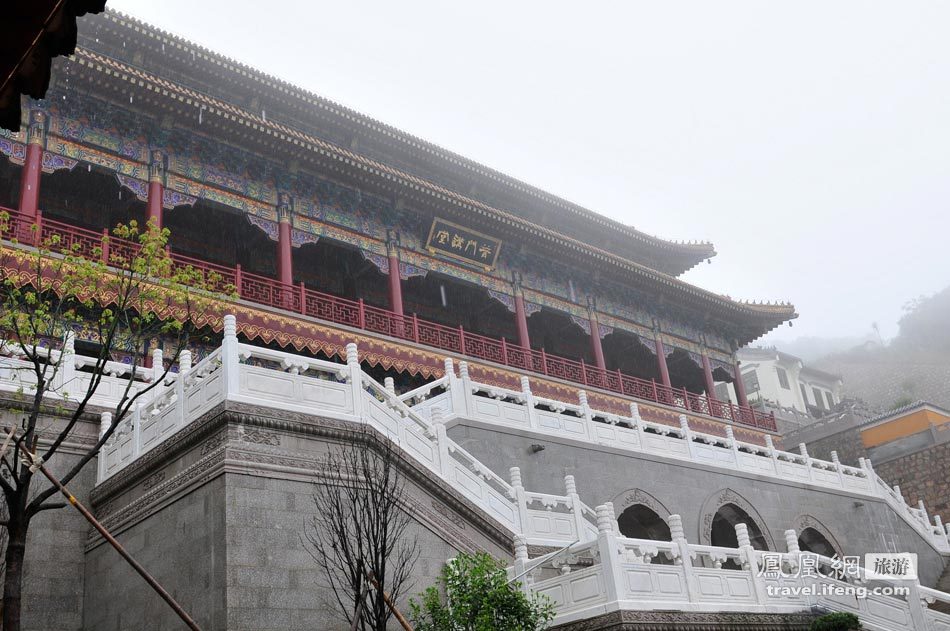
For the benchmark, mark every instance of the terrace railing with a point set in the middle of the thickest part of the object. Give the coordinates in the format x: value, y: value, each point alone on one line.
x: 613, y: 572
x: 455, y: 398
x: 355, y: 313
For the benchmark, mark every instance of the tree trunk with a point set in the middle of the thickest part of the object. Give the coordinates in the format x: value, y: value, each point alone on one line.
x: 13, y: 579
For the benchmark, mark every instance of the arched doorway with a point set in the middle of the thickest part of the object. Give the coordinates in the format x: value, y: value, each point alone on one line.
x: 685, y: 372
x: 724, y: 524
x: 811, y: 540
x: 642, y: 522
x: 626, y: 352
x: 558, y: 334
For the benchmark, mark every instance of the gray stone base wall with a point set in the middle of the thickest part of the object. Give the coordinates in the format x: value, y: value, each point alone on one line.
x: 53, y: 567
x: 218, y: 515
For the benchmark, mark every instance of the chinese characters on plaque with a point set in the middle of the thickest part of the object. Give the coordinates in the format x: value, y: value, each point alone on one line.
x: 462, y: 243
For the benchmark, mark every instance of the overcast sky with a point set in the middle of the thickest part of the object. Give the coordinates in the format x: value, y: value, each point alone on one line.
x: 809, y: 141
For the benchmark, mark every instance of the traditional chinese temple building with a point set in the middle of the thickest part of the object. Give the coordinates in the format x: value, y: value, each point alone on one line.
x: 321, y: 212
x: 519, y: 336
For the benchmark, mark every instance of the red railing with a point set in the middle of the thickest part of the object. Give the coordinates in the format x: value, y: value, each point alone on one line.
x: 357, y: 314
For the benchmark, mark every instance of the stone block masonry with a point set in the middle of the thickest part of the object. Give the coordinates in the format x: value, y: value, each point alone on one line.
x: 53, y: 584
x: 228, y: 540
x: 923, y: 475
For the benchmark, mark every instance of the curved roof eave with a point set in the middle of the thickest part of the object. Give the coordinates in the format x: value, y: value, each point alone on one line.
x: 692, y: 253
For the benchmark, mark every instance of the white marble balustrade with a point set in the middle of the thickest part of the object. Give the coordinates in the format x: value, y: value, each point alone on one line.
x: 615, y: 572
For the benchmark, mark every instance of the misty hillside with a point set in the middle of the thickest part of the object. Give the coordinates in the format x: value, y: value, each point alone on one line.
x: 915, y: 365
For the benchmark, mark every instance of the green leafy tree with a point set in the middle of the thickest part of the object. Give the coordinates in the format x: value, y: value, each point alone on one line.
x: 473, y: 594
x: 122, y: 292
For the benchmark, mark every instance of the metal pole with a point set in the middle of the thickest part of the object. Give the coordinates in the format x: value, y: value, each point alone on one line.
x: 112, y: 541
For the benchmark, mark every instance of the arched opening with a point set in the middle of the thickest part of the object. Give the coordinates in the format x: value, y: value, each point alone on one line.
x: 685, y: 372
x: 642, y: 522
x: 10, y: 175
x: 810, y: 540
x: 557, y: 334
x: 724, y: 528
x: 340, y: 269
x: 626, y: 352
x: 452, y: 302
x: 219, y: 234
x: 89, y: 197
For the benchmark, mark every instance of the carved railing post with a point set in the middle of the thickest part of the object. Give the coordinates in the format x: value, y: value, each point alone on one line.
x: 575, y: 505
x: 521, y: 562
x: 466, y: 381
x: 454, y: 385
x: 230, y: 360
x: 67, y: 365
x: 770, y: 446
x: 356, y: 379
x: 749, y: 562
x: 521, y: 502
x: 184, y: 367
x: 687, y: 435
x: 105, y: 422
x: 390, y: 385
x: 685, y: 558
x: 137, y: 430
x: 638, y: 421
x: 923, y: 513
x: 732, y: 444
x: 803, y: 450
x: 529, y: 402
x: 184, y: 362
x: 442, y: 444
x: 609, y: 550
x: 939, y: 529
x: 837, y: 464
x: 588, y: 417
x: 158, y: 366
x: 917, y: 605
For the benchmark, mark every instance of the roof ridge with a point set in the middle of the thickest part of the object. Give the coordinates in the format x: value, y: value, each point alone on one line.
x: 482, y: 169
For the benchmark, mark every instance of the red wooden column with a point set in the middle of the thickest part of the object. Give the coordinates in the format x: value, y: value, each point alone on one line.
x: 156, y: 188
x: 661, y: 361
x: 741, y: 397
x: 595, y: 342
x: 710, y: 383
x: 33, y: 165
x: 395, y: 280
x: 285, y: 266
x: 524, y: 341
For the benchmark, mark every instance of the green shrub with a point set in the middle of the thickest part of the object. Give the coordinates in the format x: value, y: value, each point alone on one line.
x: 473, y: 594
x: 836, y: 622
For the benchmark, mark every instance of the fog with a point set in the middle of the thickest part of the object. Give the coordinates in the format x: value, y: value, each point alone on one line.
x: 807, y: 140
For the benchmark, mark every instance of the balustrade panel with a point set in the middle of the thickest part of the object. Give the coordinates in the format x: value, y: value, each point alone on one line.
x: 440, y: 336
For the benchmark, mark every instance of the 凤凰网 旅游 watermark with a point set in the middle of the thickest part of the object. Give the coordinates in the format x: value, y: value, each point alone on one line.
x: 788, y: 574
